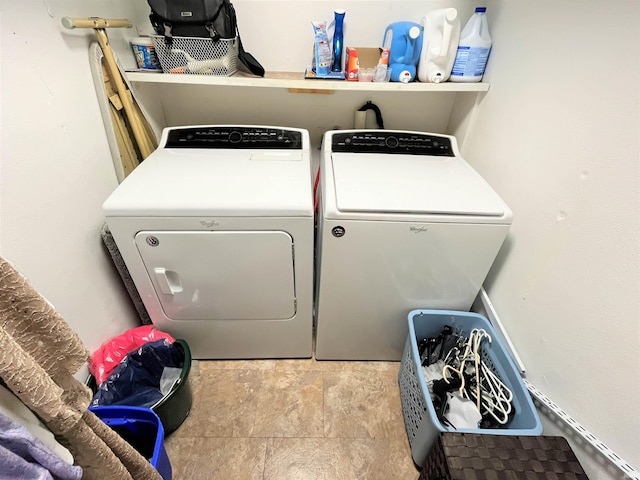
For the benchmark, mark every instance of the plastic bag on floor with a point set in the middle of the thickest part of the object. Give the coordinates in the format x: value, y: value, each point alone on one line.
x: 107, y: 357
x: 137, y: 380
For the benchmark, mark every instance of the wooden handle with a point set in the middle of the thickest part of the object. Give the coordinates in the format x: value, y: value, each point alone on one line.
x: 95, y: 22
x: 142, y: 139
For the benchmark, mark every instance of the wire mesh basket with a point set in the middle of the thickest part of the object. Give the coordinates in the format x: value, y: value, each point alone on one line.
x: 201, y: 56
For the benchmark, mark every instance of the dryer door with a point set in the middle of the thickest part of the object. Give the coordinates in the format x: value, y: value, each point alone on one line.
x: 238, y: 275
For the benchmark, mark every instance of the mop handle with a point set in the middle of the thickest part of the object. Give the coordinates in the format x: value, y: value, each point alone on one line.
x: 95, y: 22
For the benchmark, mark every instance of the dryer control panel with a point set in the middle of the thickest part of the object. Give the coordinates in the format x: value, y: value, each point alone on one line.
x: 377, y: 141
x: 234, y: 137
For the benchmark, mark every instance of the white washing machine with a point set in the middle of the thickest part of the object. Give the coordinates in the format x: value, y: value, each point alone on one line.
x: 404, y: 222
x: 216, y: 228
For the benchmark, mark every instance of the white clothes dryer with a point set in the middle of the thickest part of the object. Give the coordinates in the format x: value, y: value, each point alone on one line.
x: 216, y: 229
x: 404, y: 222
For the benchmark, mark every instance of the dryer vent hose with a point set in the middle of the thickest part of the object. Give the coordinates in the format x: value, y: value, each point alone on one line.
x: 362, y: 111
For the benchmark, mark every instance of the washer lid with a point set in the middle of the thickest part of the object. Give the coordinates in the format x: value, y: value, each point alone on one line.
x: 412, y: 184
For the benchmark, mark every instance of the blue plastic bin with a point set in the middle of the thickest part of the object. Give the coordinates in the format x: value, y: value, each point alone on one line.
x: 420, y: 419
x: 142, y: 428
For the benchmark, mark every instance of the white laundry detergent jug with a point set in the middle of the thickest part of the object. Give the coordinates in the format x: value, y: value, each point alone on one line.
x: 473, y: 49
x: 439, y: 45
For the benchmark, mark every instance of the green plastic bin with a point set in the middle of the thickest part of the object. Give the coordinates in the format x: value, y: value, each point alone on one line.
x: 174, y: 407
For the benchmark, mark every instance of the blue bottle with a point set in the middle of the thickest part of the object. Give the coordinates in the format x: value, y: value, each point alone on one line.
x: 338, y: 40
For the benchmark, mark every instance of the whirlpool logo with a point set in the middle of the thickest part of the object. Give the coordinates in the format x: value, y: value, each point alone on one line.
x: 209, y: 223
x: 417, y: 228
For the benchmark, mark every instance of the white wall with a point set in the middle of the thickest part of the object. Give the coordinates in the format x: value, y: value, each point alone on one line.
x: 56, y: 168
x: 558, y: 137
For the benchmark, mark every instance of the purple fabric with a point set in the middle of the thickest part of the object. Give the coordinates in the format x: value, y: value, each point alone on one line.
x: 22, y: 456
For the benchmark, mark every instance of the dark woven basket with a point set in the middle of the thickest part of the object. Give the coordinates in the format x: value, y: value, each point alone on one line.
x: 468, y: 456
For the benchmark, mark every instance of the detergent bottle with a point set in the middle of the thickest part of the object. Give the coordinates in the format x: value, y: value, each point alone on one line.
x: 439, y: 45
x: 404, y: 53
x: 473, y: 49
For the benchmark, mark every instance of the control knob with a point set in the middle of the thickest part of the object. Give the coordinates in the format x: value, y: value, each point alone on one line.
x: 391, y: 142
x: 235, y: 136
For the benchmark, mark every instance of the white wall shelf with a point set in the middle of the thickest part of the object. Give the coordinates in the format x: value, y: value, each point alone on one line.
x: 286, y: 98
x: 296, y: 82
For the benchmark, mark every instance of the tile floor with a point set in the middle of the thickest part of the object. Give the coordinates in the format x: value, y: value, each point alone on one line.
x: 292, y: 420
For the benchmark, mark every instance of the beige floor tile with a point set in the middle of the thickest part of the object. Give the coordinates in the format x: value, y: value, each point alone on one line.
x: 338, y: 459
x: 178, y: 449
x: 224, y: 404
x: 361, y: 404
x: 297, y: 364
x: 207, y: 366
x: 217, y: 458
x: 289, y: 404
x: 292, y: 419
x: 329, y: 365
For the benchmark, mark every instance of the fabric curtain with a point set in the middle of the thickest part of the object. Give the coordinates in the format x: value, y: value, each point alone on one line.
x: 39, y: 353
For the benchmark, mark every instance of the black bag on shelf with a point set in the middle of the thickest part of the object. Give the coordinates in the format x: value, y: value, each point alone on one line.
x: 214, y: 19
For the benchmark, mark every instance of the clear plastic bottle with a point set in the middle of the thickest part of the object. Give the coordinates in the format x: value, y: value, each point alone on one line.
x: 338, y: 39
x: 473, y: 49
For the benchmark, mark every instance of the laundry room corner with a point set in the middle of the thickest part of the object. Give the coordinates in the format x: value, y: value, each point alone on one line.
x: 544, y: 219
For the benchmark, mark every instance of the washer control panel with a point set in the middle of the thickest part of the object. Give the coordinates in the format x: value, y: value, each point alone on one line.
x: 234, y: 137
x: 391, y: 142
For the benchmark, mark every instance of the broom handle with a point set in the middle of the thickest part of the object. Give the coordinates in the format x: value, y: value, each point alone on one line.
x: 95, y: 22
x: 139, y: 133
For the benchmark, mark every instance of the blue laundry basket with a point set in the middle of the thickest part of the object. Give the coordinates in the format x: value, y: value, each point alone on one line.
x: 420, y: 419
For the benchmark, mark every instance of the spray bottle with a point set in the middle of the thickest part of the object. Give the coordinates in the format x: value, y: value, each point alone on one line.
x: 473, y: 49
x: 338, y: 40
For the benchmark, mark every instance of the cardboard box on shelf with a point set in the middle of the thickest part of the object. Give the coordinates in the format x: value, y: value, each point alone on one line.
x: 368, y: 56
x: 362, y: 68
